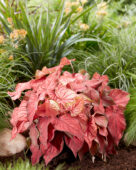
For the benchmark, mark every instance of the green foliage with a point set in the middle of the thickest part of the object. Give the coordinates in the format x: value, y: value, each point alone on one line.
x: 11, y: 72
x: 130, y: 135
x: 116, y: 59
x: 22, y: 165
x: 26, y: 165
x: 47, y: 38
x: 107, y: 46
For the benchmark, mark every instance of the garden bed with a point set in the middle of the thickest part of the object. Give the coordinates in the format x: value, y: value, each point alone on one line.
x: 125, y: 159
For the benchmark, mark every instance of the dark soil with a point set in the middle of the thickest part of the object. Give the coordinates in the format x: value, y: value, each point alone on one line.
x: 125, y: 159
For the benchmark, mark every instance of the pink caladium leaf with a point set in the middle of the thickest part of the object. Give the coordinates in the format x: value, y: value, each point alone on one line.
x: 31, y: 108
x: 116, y: 123
x: 19, y: 88
x: 68, y: 124
x: 36, y: 152
x: 64, y: 95
x: 42, y: 126
x: 110, y: 149
x: 102, y: 143
x: 59, y: 107
x: 64, y: 61
x: 19, y: 119
x: 91, y: 132
x: 120, y: 97
x: 54, y: 147
x: 100, y: 120
x: 66, y: 78
x: 74, y: 144
x: 83, y: 150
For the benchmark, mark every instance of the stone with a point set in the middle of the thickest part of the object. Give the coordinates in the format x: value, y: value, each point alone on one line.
x: 10, y: 147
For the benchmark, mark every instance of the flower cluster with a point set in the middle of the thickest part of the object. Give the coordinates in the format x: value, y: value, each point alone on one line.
x: 2, y: 39
x: 59, y: 107
x: 101, y: 12
x: 76, y: 5
x: 83, y: 27
x: 18, y: 33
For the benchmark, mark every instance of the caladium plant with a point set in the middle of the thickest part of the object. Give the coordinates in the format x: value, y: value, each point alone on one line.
x: 57, y: 108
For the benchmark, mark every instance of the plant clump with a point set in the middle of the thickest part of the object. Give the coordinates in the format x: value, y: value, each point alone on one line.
x: 60, y: 107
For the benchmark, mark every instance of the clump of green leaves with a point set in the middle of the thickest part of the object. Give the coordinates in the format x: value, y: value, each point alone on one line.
x: 117, y: 59
x: 47, y: 39
x: 130, y: 135
x: 11, y: 72
x: 21, y: 164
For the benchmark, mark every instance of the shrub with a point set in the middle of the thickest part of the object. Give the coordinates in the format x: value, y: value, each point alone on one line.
x: 85, y: 114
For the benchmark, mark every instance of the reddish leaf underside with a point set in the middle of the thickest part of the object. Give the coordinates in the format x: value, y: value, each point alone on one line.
x: 116, y: 123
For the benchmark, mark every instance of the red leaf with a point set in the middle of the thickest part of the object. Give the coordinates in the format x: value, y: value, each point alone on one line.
x: 64, y: 95
x: 43, y: 130
x: 116, y: 123
x: 97, y: 81
x: 39, y: 74
x: 54, y: 148
x: 51, y: 108
x: 66, y: 78
x: 77, y: 107
x: 36, y: 152
x: 107, y: 100
x: 101, y: 140
x: 94, y: 95
x: 100, y: 120
x: 69, y: 124
x: 91, y: 132
x: 19, y: 88
x: 103, y: 131
x: 103, y: 78
x: 120, y: 97
x: 32, y: 106
x: 48, y: 86
x: 64, y: 61
x: 83, y: 150
x: 110, y: 149
x: 74, y: 144
x: 19, y: 119
x: 94, y: 148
